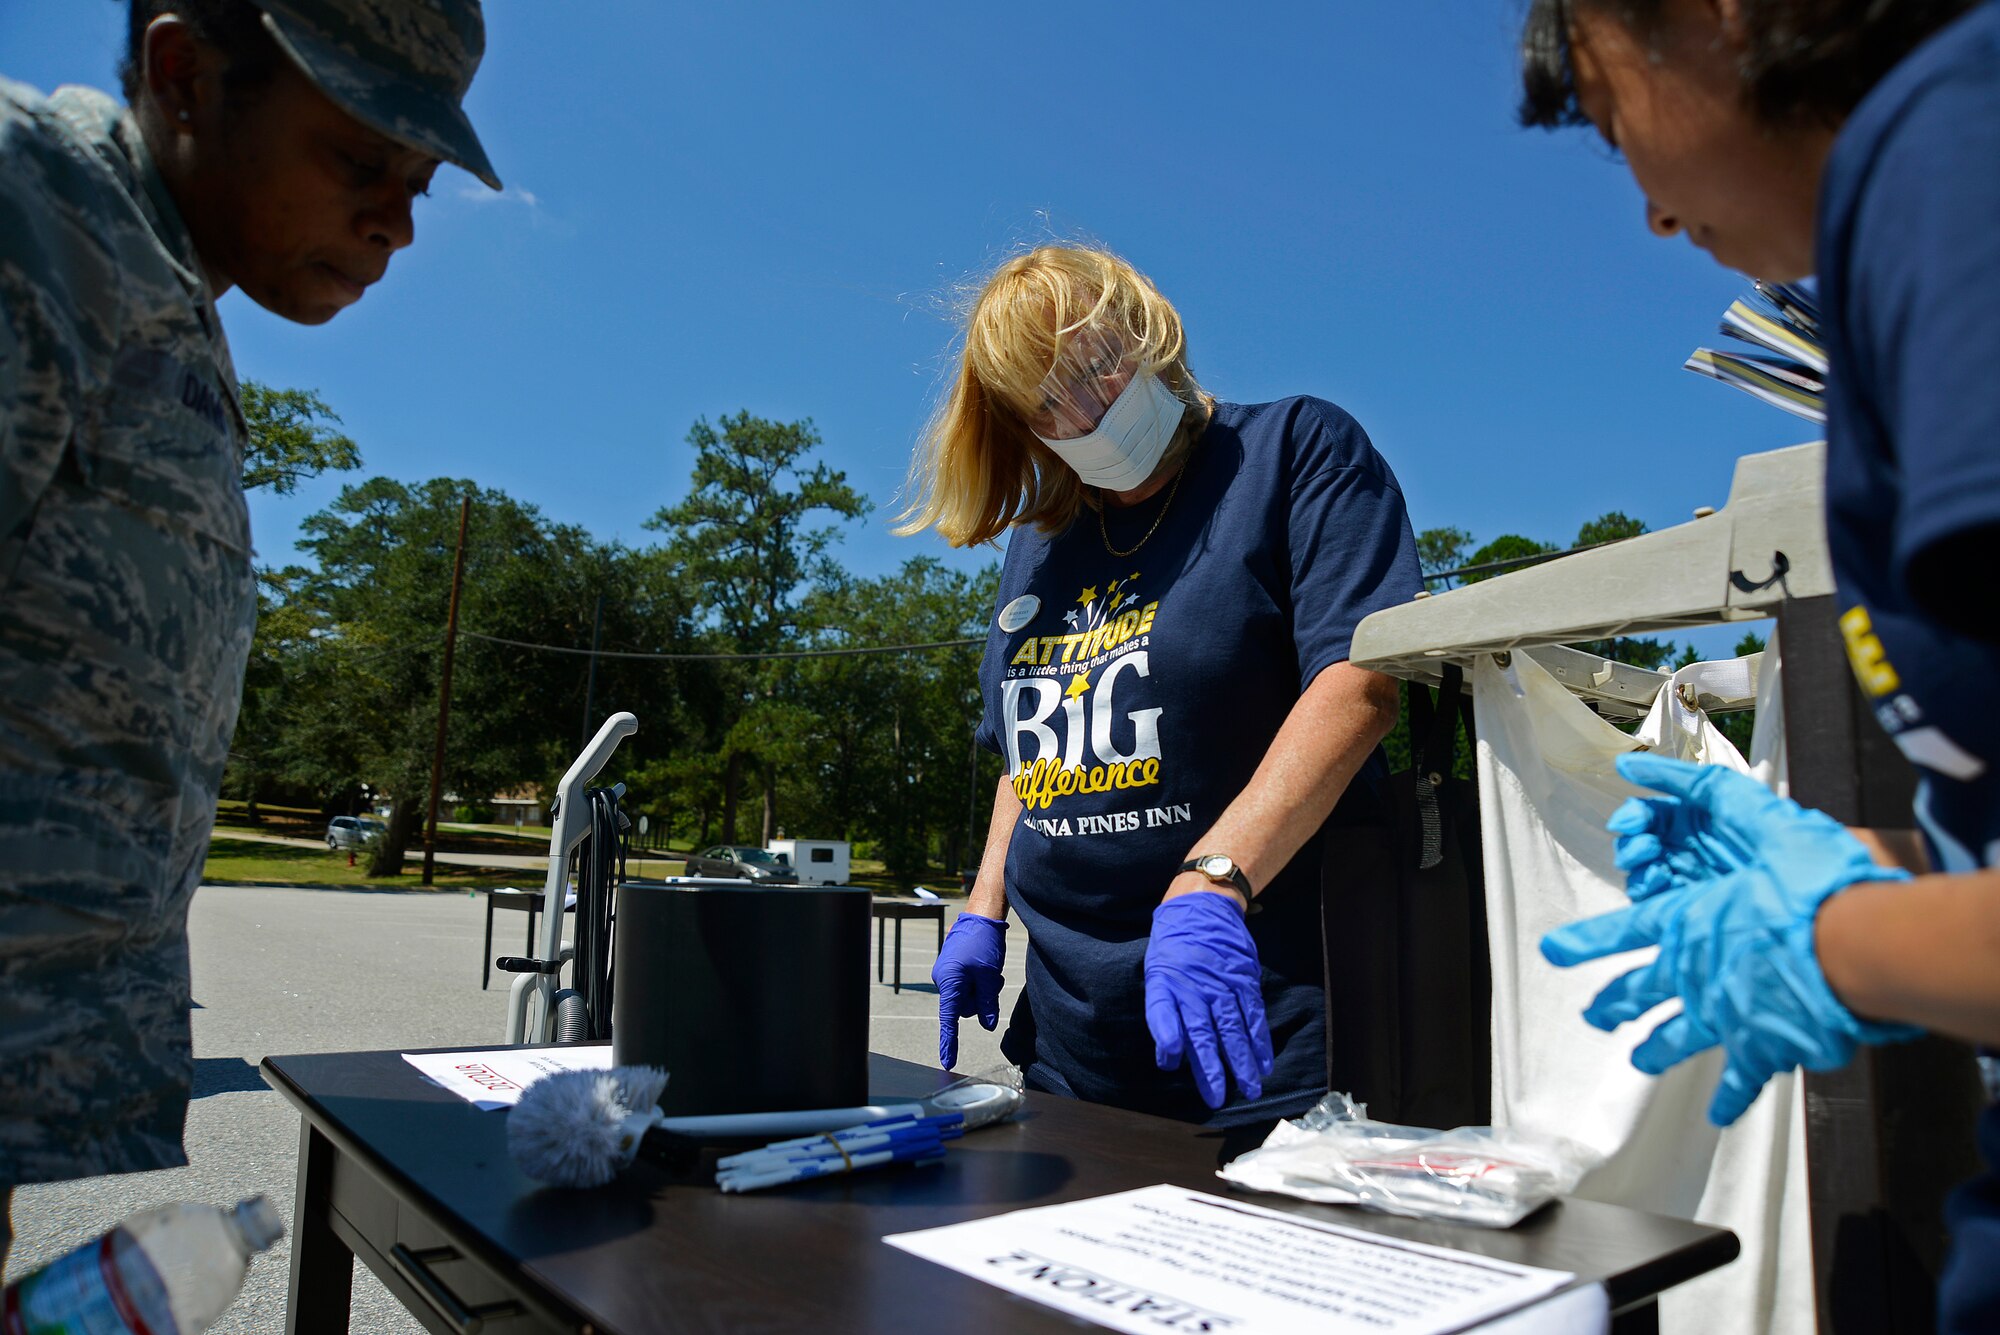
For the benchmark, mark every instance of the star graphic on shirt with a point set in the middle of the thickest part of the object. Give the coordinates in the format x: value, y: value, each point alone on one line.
x: 1078, y: 685
x: 1069, y: 618
x: 1087, y: 596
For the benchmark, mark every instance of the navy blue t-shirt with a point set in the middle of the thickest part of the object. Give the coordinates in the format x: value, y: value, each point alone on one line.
x: 1909, y: 261
x: 1132, y: 698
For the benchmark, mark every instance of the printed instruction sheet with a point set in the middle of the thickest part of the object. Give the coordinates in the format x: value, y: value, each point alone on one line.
x: 1169, y: 1259
x: 496, y: 1079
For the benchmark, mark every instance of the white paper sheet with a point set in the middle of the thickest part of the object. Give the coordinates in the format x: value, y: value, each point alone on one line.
x: 1584, y: 1310
x: 496, y: 1079
x: 1165, y: 1258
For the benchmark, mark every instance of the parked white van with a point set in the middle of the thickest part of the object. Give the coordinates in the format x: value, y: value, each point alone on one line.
x: 817, y: 861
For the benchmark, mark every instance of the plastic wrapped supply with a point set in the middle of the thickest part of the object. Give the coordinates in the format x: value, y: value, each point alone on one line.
x: 1471, y: 1175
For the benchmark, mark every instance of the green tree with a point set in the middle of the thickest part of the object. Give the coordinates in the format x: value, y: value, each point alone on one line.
x: 373, y: 614
x: 745, y: 541
x: 293, y: 735
x: 891, y: 751
x: 1616, y: 526
x: 256, y: 747
x: 742, y: 532
x: 292, y: 438
x: 1506, y: 547
x: 1611, y: 526
x: 1442, y: 549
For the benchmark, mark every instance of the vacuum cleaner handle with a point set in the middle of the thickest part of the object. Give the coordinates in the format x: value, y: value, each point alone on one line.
x: 531, y: 1001
x: 572, y: 816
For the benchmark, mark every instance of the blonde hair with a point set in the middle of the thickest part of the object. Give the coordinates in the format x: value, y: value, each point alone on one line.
x: 979, y: 470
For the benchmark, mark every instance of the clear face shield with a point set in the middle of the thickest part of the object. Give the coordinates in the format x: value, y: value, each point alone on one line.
x: 1102, y: 414
x: 1091, y: 371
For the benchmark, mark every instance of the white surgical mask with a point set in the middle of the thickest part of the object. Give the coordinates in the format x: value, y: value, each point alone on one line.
x: 1122, y: 451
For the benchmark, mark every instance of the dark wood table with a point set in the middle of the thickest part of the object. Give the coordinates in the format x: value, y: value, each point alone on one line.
x: 417, y: 1183
x: 897, y: 911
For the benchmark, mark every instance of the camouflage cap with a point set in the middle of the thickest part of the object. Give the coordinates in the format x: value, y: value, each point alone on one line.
x: 397, y: 66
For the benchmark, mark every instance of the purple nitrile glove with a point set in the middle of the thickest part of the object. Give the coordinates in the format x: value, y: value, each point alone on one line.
x: 1205, y: 997
x: 967, y: 974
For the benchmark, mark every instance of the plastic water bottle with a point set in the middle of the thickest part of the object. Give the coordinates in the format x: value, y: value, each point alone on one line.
x: 170, y: 1271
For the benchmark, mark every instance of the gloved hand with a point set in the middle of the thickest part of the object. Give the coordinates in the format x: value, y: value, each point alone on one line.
x: 1204, y: 995
x: 1735, y: 947
x: 1666, y: 842
x: 967, y: 974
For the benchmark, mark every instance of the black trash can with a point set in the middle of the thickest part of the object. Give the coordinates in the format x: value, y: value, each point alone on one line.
x: 752, y: 998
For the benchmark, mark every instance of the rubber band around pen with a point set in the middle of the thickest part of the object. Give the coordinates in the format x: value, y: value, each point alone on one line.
x: 841, y: 1150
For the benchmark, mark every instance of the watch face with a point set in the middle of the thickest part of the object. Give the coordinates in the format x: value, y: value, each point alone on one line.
x: 1218, y: 866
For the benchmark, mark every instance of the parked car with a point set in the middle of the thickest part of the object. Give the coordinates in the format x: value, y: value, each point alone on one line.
x: 742, y: 863
x: 353, y: 831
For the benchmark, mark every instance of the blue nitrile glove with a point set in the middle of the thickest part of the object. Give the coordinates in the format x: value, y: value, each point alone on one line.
x: 1665, y: 842
x: 967, y: 974
x: 1204, y: 994
x: 1735, y: 948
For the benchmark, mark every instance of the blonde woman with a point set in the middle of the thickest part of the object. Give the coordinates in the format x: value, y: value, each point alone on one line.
x: 1166, y: 677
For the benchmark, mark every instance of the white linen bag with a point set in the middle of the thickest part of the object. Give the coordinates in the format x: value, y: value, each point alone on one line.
x: 1546, y: 786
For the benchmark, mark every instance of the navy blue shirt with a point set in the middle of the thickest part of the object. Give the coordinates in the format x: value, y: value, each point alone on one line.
x: 1909, y: 261
x: 1909, y: 248
x: 1132, y: 698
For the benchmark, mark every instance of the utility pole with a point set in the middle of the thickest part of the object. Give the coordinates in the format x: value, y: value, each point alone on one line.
x: 590, y: 682
x: 444, y: 691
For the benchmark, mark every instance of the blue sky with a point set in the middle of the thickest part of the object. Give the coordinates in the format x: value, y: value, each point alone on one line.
x: 774, y: 206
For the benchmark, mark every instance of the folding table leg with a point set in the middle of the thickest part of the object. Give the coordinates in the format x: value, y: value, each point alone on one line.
x: 899, y: 957
x: 322, y: 1265
x: 881, y: 957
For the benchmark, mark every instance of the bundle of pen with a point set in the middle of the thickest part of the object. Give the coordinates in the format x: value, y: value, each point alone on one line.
x: 913, y: 1140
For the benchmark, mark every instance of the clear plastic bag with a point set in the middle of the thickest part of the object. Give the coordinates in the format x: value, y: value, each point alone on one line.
x: 1470, y: 1175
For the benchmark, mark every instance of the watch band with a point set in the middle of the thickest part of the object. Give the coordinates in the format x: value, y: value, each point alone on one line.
x: 1235, y: 876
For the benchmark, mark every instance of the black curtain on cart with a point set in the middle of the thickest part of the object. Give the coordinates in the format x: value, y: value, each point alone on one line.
x: 1403, y: 927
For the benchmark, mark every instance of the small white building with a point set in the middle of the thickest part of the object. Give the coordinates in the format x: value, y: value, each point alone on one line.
x: 817, y: 861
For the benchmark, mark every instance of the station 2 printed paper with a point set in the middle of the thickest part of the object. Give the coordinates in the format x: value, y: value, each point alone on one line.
x: 1167, y: 1259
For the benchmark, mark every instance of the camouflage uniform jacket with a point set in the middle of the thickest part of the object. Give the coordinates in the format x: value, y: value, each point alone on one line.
x: 126, y: 604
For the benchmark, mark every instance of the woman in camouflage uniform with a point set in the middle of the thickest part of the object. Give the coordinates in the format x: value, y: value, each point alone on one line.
x: 272, y: 145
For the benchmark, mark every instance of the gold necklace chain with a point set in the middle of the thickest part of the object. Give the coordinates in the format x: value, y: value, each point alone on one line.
x: 1105, y: 533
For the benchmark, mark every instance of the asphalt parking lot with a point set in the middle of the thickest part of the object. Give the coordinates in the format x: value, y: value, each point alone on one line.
x: 286, y: 971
